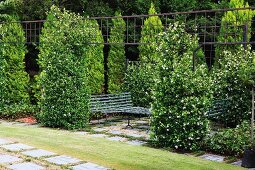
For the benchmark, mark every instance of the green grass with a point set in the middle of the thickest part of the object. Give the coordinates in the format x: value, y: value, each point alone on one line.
x: 110, y: 154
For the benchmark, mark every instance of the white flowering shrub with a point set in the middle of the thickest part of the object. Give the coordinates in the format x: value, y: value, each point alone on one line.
x: 64, y: 93
x: 232, y: 82
x: 182, y: 96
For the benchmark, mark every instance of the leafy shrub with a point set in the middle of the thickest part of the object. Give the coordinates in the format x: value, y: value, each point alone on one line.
x: 95, y: 58
x: 13, y: 78
x: 230, y: 84
x: 140, y: 82
x: 229, y: 141
x: 182, y: 96
x: 116, y: 58
x: 64, y: 100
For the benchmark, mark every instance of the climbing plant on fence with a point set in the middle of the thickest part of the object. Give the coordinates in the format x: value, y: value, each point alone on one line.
x: 182, y: 95
x: 13, y: 78
x: 116, y: 58
x: 63, y: 79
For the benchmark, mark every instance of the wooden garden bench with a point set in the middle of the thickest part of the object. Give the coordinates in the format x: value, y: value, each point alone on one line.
x: 116, y: 103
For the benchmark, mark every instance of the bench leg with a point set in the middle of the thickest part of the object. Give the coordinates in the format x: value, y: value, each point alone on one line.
x: 129, y: 125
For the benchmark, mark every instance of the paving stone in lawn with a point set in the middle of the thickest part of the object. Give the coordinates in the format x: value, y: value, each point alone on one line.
x: 136, y: 142
x: 3, y: 142
x: 81, y: 133
x: 115, y: 132
x: 212, y: 157
x: 143, y: 127
x: 237, y: 163
x: 99, y: 129
x: 98, y: 135
x: 62, y: 160
x: 38, y: 153
x: 26, y: 166
x: 8, y: 159
x: 134, y: 135
x: 88, y: 166
x: 141, y: 122
x: 117, y: 138
x: 17, y: 147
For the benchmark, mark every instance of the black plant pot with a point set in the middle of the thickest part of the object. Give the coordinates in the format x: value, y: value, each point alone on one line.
x: 248, y: 160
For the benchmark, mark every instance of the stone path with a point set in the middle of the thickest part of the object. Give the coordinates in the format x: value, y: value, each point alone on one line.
x: 18, y: 156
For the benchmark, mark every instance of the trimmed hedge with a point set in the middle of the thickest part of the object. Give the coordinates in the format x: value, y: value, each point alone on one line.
x: 64, y: 96
x: 182, y: 96
x: 14, y: 80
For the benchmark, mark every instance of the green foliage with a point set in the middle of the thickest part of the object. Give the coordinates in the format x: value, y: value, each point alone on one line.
x: 182, y: 96
x: 233, y: 25
x: 140, y: 83
x: 13, y: 78
x: 233, y: 82
x: 140, y: 78
x: 64, y: 100
x: 9, y: 9
x: 229, y: 141
x: 95, y: 58
x: 151, y: 28
x: 116, y: 58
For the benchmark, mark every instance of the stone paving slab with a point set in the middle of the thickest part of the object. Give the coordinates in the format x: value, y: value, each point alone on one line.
x: 115, y: 132
x: 141, y: 122
x: 26, y: 166
x: 134, y: 135
x: 88, y: 166
x: 3, y: 142
x: 99, y: 129
x: 38, y: 153
x: 81, y: 133
x: 212, y: 157
x: 136, y: 142
x: 237, y: 163
x: 62, y: 160
x: 17, y: 147
x: 117, y: 138
x: 98, y: 135
x: 8, y: 159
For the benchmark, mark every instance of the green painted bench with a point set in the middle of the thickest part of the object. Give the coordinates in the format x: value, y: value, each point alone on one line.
x: 219, y: 108
x: 116, y: 103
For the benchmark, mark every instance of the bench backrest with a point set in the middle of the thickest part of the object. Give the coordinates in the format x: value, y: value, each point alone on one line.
x: 218, y: 108
x: 110, y: 102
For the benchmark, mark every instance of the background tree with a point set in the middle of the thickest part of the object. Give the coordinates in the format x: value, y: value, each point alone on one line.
x: 116, y: 58
x: 95, y: 58
x: 14, y: 80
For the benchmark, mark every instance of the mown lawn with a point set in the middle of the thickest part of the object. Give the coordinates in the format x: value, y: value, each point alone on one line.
x: 107, y: 153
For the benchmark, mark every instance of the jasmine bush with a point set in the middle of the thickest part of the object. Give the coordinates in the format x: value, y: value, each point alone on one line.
x: 64, y: 90
x: 231, y: 83
x: 182, y: 96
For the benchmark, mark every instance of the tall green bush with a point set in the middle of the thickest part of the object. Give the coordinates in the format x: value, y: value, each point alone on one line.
x: 95, y: 58
x: 151, y: 28
x: 64, y: 100
x: 117, y: 58
x: 140, y: 81
x: 182, y: 96
x: 13, y: 78
x: 230, y: 82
